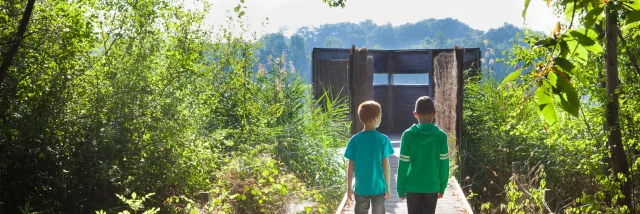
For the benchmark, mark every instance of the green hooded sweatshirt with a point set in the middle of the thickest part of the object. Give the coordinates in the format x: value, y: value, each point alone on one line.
x: 424, y: 160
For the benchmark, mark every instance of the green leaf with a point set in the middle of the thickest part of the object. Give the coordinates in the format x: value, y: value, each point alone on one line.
x: 633, y: 16
x: 133, y: 195
x: 545, y: 103
x: 584, y: 37
x: 545, y: 42
x: 630, y: 29
x: 568, y: 13
x: 578, y: 52
x: 236, y: 9
x: 564, y: 49
x: 511, y: 76
x: 526, y: 6
x: 564, y: 64
x: 592, y: 16
x: 587, y: 37
x: 568, y: 95
x: 580, y: 41
x: 635, y: 5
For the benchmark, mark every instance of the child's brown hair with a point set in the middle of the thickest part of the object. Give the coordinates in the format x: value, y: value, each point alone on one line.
x: 368, y: 111
x: 424, y: 105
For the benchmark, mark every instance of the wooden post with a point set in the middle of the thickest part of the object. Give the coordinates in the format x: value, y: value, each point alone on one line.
x: 204, y: 198
x: 390, y: 72
x: 459, y: 53
x: 353, y: 113
x: 314, y: 79
x: 447, y: 91
x: 360, y: 83
x: 515, y: 174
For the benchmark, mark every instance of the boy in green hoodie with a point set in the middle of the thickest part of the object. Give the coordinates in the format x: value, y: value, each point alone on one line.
x: 368, y: 153
x: 423, y: 168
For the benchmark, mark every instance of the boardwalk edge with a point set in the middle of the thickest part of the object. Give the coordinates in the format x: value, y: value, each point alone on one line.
x: 342, y: 204
x: 464, y: 201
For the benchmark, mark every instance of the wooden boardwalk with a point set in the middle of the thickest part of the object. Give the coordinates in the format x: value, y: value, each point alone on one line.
x: 453, y: 201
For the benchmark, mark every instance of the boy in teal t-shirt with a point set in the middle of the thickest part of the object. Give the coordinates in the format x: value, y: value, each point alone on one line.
x: 367, y: 152
x: 423, y: 168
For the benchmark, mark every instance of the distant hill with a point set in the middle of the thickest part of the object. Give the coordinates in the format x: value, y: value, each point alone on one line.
x: 427, y: 34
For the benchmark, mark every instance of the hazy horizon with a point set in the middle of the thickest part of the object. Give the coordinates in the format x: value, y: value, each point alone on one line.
x: 289, y: 15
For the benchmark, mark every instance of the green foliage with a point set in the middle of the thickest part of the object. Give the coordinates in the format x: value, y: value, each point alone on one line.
x: 527, y: 195
x: 255, y: 184
x: 335, y: 3
x: 135, y: 203
x: 520, y: 120
x: 333, y: 42
x: 111, y: 97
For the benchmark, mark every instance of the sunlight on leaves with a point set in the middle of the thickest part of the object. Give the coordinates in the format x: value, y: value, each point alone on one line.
x: 511, y: 76
x: 524, y: 11
x: 545, y: 103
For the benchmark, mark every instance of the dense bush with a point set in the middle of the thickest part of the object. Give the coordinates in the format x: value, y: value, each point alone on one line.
x: 114, y: 97
x: 565, y: 166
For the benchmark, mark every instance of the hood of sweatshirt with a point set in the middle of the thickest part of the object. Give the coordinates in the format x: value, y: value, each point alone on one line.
x: 425, y: 130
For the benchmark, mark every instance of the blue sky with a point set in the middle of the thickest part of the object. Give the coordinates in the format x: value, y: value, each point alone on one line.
x: 292, y: 14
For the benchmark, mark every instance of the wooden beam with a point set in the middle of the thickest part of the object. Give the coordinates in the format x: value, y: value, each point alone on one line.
x: 390, y: 71
x: 431, y: 77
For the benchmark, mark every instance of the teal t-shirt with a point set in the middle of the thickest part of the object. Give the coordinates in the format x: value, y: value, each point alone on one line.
x: 367, y: 149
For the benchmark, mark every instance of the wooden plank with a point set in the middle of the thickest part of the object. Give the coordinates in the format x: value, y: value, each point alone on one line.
x: 410, y: 62
x: 472, y: 56
x: 405, y: 97
x: 380, y: 62
x: 380, y: 96
x: 331, y: 53
x: 331, y: 77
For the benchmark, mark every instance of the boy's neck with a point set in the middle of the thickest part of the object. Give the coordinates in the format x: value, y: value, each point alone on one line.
x: 423, y: 120
x: 369, y: 127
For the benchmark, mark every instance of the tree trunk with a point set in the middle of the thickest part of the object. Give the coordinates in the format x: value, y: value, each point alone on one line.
x: 6, y: 62
x: 614, y: 141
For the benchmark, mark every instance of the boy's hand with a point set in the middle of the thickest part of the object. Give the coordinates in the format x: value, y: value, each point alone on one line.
x: 386, y: 195
x: 402, y: 198
x: 440, y: 195
x: 350, y: 195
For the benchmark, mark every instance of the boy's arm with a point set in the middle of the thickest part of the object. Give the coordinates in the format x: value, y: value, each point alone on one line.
x: 349, y: 180
x: 403, y: 166
x: 388, y: 151
x: 350, y: 154
x: 444, y: 164
x: 387, y: 177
